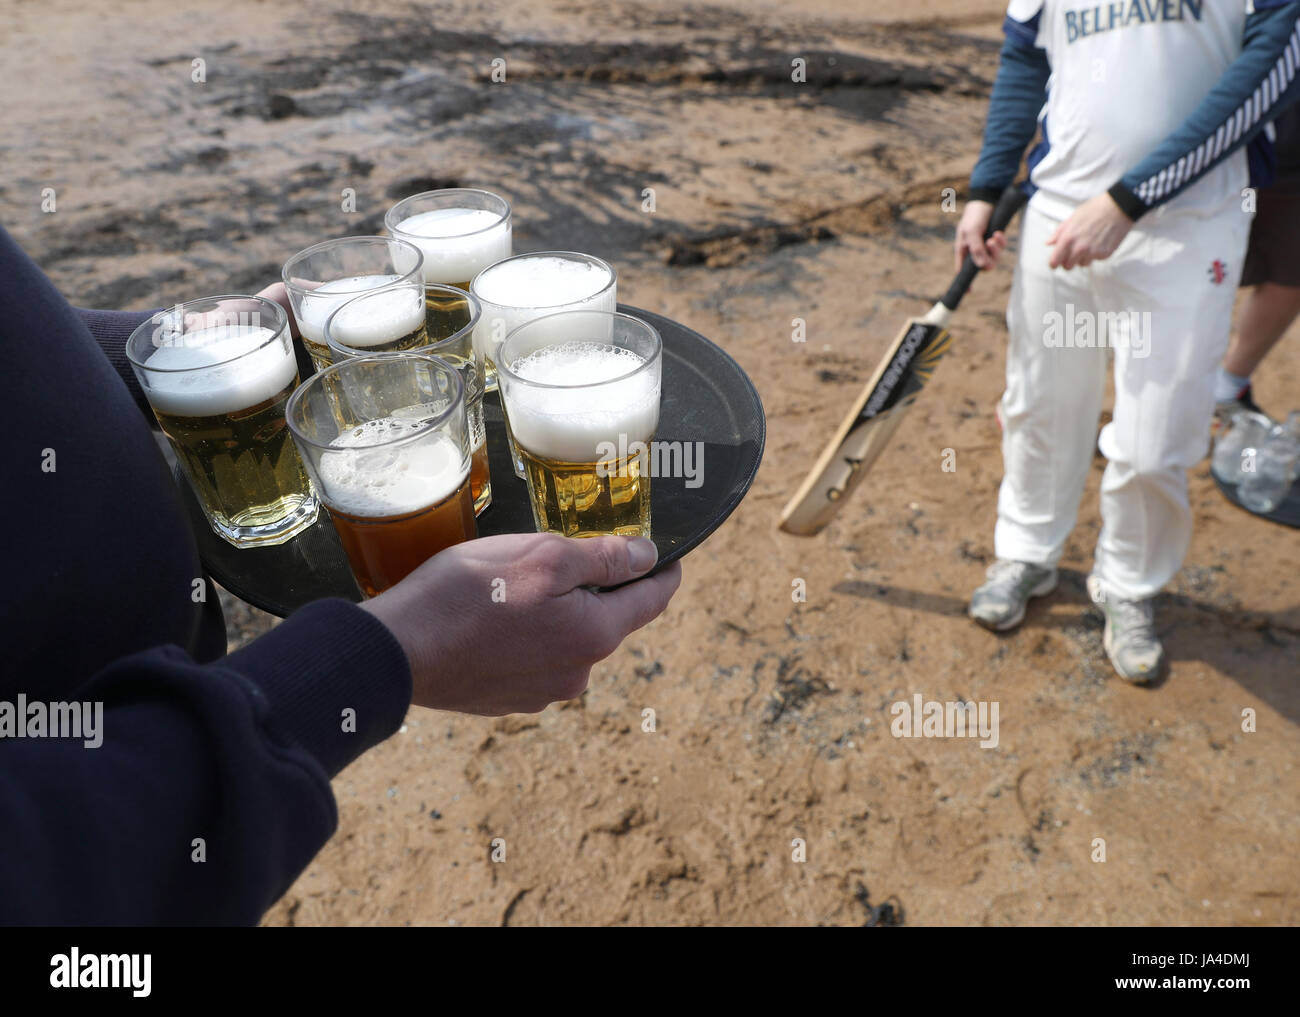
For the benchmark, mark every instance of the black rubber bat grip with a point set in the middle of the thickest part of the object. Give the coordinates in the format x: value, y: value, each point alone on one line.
x: 1003, y: 212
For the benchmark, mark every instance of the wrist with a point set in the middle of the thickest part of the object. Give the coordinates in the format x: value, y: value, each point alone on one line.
x: 390, y: 611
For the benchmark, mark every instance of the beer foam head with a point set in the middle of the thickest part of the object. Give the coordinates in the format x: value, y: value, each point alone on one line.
x: 524, y: 289
x: 362, y: 322
x: 458, y: 243
x: 197, y: 376
x: 315, y: 307
x: 544, y: 281
x: 600, y: 402
x: 365, y: 477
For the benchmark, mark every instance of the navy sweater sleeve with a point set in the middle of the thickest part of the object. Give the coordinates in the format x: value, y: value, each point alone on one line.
x: 1255, y: 88
x: 1019, y: 91
x: 208, y: 790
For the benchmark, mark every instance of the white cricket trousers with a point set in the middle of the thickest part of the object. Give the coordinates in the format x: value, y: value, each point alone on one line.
x: 1163, y: 304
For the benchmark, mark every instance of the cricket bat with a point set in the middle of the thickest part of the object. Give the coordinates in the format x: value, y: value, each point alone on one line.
x: 879, y: 408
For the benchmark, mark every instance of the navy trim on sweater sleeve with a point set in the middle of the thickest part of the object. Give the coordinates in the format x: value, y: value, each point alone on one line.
x: 1256, y: 87
x: 1019, y: 91
x: 326, y: 658
x: 209, y: 792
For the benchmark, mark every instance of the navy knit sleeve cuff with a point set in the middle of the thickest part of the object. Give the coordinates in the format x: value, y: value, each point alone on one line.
x: 989, y: 194
x: 111, y: 330
x: 113, y: 327
x: 1129, y: 203
x: 336, y: 678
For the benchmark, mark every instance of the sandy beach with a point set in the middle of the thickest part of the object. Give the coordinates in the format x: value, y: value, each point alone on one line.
x: 773, y: 200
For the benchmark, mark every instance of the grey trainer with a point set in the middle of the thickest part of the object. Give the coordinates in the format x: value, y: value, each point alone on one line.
x: 1000, y: 603
x: 1130, y: 637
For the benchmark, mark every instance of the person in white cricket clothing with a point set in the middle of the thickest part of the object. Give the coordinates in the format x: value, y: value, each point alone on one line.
x: 1149, y: 116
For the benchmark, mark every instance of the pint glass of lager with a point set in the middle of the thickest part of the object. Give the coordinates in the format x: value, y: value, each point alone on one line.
x: 379, y: 320
x: 320, y: 278
x: 386, y: 443
x: 529, y: 286
x: 461, y: 231
x: 582, y: 392
x: 218, y: 373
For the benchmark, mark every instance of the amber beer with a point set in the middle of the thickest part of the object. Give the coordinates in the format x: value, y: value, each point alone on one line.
x: 448, y: 311
x: 241, y: 462
x: 393, y: 474
x: 218, y: 373
x: 450, y: 317
x: 582, y: 392
x: 589, y: 499
x: 395, y: 513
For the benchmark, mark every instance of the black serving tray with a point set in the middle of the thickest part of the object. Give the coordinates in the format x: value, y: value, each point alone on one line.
x: 706, y: 398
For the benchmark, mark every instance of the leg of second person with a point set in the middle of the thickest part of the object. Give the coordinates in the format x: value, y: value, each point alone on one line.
x: 1051, y: 404
x: 1270, y: 300
x: 1172, y: 294
x: 1267, y: 311
x: 1164, y: 394
x: 1049, y: 423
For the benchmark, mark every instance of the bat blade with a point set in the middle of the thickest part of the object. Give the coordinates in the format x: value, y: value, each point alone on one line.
x: 870, y: 423
x: 880, y: 407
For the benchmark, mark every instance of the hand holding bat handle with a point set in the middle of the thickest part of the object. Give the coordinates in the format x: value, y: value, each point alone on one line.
x: 1003, y: 212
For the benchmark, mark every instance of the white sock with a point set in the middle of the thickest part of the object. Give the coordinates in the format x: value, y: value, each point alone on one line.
x: 1229, y: 386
